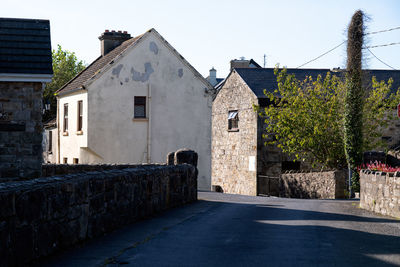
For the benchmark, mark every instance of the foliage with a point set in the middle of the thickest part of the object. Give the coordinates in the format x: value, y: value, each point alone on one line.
x: 353, y: 137
x: 65, y: 67
x: 378, y: 166
x: 305, y: 118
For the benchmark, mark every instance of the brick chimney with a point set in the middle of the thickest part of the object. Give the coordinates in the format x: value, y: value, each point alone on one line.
x: 110, y: 40
x: 240, y: 63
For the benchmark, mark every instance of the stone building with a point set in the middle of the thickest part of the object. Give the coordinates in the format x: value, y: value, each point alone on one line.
x: 25, y: 67
x: 241, y: 164
x: 139, y: 100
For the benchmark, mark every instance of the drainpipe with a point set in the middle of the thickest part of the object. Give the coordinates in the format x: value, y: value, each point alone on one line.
x: 58, y: 131
x: 149, y: 123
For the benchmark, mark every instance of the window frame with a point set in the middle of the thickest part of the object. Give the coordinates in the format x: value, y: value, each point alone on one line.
x: 233, y: 123
x: 139, y: 101
x: 65, y: 118
x: 79, y: 126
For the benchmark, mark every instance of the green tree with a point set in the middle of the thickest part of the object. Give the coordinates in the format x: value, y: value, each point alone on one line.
x: 305, y: 117
x: 65, y: 67
x: 353, y: 134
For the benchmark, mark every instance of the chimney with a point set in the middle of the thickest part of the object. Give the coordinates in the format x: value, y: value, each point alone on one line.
x: 213, y: 77
x: 240, y: 63
x: 110, y: 40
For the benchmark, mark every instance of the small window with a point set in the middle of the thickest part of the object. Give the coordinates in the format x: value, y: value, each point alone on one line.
x: 140, y: 107
x: 50, y: 147
x: 80, y: 115
x: 65, y: 160
x: 65, y: 118
x: 76, y: 161
x: 233, y: 120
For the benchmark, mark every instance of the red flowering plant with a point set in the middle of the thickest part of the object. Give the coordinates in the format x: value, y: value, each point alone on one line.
x: 378, y: 166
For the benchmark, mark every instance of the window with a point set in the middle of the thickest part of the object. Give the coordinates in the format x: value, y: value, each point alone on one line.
x: 233, y: 120
x: 50, y: 141
x: 65, y: 118
x: 65, y: 160
x: 76, y: 161
x: 80, y: 115
x: 140, y: 107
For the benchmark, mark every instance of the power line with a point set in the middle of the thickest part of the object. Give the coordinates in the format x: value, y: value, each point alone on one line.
x: 367, y: 47
x: 374, y: 46
x: 322, y: 54
x: 388, y: 30
x: 380, y: 59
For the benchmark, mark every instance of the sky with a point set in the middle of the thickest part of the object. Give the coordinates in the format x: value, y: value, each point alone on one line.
x: 210, y: 33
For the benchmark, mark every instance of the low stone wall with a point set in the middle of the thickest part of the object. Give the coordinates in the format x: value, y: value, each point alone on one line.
x: 62, y: 169
x: 380, y: 192
x: 325, y: 185
x: 41, y: 216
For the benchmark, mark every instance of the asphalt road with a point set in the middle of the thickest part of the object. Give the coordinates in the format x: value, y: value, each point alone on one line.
x: 232, y: 230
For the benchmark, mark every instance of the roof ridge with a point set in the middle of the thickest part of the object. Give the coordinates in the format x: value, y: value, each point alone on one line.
x: 91, y: 70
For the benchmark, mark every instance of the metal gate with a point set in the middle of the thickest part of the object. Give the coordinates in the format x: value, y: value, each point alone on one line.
x: 267, y: 185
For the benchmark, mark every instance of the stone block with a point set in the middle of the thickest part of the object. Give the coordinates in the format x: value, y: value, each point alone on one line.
x: 186, y: 156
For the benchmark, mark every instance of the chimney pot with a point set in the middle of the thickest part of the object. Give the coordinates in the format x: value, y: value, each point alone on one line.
x: 110, y: 40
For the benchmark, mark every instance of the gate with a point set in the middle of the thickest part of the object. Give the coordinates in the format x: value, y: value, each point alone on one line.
x: 267, y: 185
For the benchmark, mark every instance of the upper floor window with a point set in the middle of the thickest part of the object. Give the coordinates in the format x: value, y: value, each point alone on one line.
x: 80, y: 115
x: 65, y: 122
x: 233, y: 120
x: 140, y: 107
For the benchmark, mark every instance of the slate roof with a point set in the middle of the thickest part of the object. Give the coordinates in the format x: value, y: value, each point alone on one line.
x: 259, y: 79
x: 25, y: 46
x: 88, y: 73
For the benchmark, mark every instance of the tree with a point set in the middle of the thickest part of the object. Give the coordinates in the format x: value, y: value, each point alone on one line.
x: 65, y: 67
x: 353, y: 134
x: 305, y: 118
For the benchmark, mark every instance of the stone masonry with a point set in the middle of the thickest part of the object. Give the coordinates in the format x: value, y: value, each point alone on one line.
x: 325, y: 185
x: 380, y: 192
x: 41, y: 216
x: 20, y: 129
x: 231, y: 150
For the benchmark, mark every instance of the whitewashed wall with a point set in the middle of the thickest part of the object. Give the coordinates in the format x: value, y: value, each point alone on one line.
x: 179, y: 108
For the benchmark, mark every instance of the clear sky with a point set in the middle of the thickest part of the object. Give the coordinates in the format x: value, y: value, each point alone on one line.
x: 209, y: 33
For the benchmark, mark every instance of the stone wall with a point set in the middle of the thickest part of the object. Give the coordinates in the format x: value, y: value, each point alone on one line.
x: 380, y: 192
x: 232, y: 152
x: 20, y: 129
x: 63, y: 169
x: 41, y: 216
x: 324, y: 185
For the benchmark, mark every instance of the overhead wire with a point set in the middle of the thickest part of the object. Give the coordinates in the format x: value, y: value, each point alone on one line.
x: 375, y: 46
x: 366, y: 47
x: 380, y: 59
x: 387, y: 30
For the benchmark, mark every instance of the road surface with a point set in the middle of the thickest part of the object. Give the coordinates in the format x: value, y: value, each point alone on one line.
x: 232, y: 230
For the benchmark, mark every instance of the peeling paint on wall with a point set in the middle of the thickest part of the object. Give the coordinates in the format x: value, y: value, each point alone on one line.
x: 117, y: 70
x: 142, y: 77
x: 154, y: 48
x: 180, y: 73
